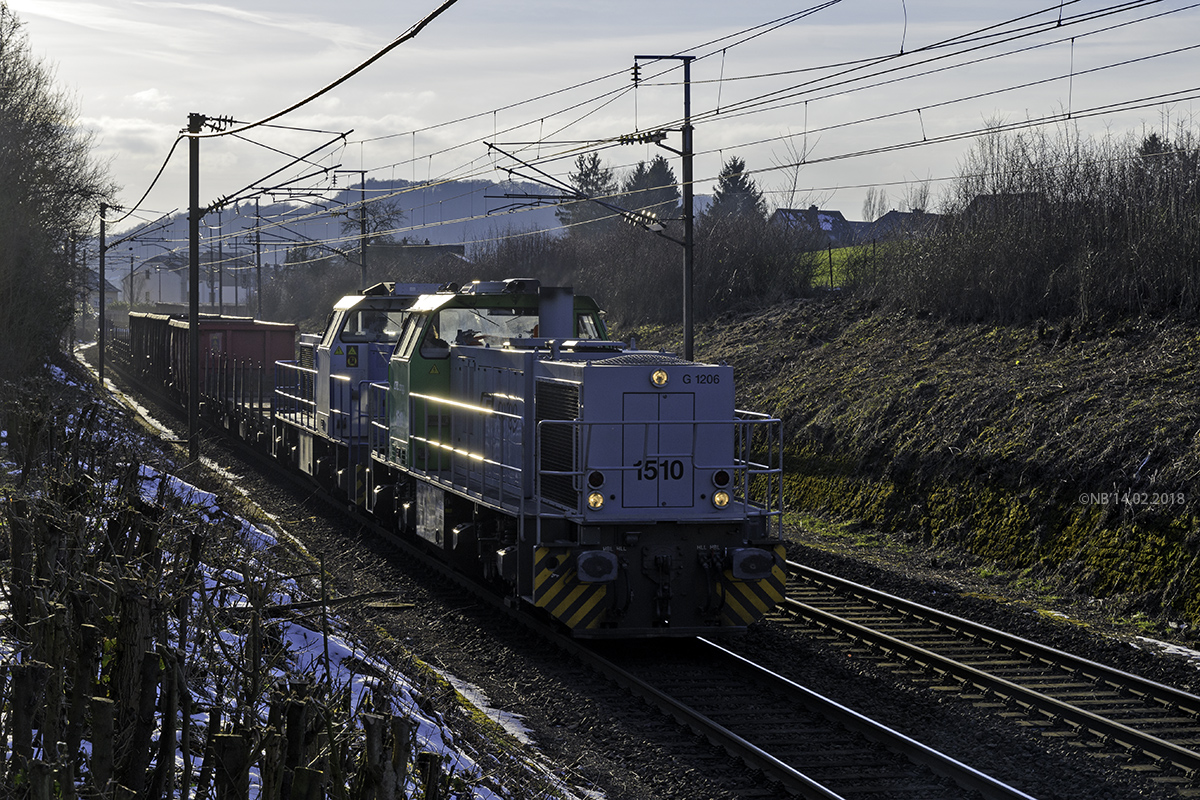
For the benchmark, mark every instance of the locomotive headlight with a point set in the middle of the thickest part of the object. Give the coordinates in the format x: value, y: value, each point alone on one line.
x: 595, y: 501
x: 659, y: 378
x: 720, y: 499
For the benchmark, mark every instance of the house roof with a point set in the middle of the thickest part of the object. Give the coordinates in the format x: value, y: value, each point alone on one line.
x: 832, y: 225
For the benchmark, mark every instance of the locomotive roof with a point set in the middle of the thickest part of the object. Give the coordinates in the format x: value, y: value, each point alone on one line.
x: 433, y: 302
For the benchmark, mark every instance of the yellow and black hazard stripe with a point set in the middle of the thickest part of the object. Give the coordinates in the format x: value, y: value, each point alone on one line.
x: 748, y: 601
x: 557, y: 588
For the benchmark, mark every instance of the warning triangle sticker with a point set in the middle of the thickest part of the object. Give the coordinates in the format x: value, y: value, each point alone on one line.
x: 434, y: 370
x: 338, y: 352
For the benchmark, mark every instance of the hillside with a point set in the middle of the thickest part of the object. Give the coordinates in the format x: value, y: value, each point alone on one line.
x: 1064, y: 459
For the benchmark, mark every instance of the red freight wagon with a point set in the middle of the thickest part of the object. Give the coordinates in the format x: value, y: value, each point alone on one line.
x: 237, y: 354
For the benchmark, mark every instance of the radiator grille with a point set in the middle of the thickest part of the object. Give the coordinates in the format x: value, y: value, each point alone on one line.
x: 558, y: 401
x: 307, y: 360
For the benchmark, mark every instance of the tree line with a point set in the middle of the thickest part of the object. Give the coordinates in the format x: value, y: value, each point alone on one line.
x: 1048, y: 224
x: 621, y: 241
x: 1038, y: 223
x: 52, y: 189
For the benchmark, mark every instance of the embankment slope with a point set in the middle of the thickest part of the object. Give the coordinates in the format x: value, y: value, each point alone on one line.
x: 1069, y: 454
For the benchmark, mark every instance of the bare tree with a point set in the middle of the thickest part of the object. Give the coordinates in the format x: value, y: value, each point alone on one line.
x: 916, y: 196
x: 52, y: 189
x: 383, y: 218
x: 875, y: 205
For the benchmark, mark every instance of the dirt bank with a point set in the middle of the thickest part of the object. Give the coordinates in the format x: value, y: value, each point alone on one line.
x: 1067, y: 457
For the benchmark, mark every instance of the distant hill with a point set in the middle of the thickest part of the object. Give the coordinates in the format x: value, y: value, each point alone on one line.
x: 458, y: 212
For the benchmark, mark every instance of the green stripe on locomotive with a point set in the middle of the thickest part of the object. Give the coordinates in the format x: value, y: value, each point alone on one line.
x: 421, y: 365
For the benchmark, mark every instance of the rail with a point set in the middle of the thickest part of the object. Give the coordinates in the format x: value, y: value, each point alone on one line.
x: 1033, y: 699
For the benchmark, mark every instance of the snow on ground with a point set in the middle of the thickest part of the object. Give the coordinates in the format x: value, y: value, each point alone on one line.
x: 308, y: 651
x: 1193, y: 656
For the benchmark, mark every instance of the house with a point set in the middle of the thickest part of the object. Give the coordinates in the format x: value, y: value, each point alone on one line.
x: 896, y: 225
x: 161, y: 282
x: 88, y: 312
x: 91, y: 291
x: 829, y: 228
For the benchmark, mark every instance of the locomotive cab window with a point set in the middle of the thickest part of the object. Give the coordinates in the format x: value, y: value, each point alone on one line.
x: 373, y: 325
x: 482, y: 327
x: 587, y: 326
x: 432, y: 344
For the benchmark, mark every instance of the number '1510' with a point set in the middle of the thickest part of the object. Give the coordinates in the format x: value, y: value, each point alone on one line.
x: 669, y: 469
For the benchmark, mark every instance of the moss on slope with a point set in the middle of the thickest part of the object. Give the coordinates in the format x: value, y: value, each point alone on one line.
x: 1073, y: 453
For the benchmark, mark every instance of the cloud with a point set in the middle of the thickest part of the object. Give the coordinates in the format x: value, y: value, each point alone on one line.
x: 341, y: 35
x: 151, y: 98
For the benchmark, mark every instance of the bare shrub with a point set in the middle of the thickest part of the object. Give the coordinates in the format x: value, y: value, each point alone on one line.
x: 1044, y: 224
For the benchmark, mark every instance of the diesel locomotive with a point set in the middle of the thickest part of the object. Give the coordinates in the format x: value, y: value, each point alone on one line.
x: 615, y: 490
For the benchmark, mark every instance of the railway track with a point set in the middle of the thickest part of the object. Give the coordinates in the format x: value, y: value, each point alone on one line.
x: 809, y: 745
x: 812, y: 746
x: 1149, y: 727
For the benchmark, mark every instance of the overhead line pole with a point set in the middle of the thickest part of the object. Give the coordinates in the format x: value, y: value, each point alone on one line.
x: 195, y: 123
x: 103, y: 282
x: 689, y: 217
x: 258, y: 253
x: 362, y: 224
x: 688, y: 212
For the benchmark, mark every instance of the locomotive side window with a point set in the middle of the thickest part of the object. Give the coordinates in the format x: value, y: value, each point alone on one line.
x: 587, y: 327
x: 374, y: 325
x: 410, y: 335
x: 433, y: 345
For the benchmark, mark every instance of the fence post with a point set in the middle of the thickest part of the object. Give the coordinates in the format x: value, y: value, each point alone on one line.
x: 307, y: 784
x: 103, y: 711
x: 206, y: 767
x: 371, y: 772
x: 28, y: 678
x: 133, y: 773
x: 163, y: 784
x: 295, y: 722
x: 429, y: 767
x: 41, y: 780
x: 232, y: 753
x: 86, y: 653
x: 402, y: 743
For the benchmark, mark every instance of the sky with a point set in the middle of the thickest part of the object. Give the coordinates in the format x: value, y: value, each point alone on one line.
x: 821, y: 101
